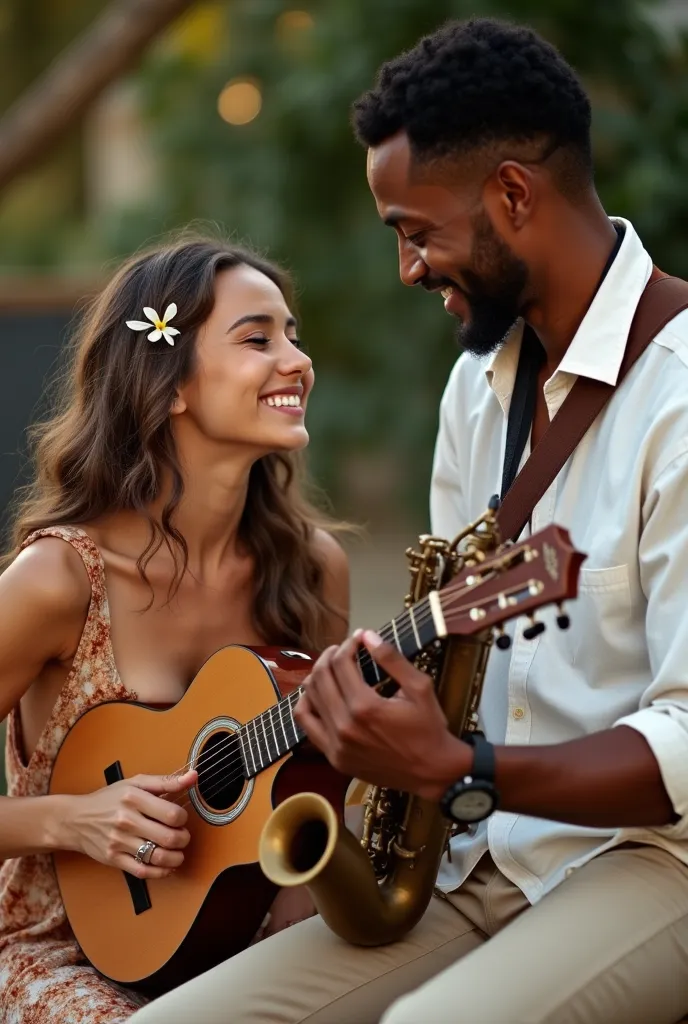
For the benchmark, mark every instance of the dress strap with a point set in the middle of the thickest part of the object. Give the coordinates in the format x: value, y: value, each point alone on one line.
x: 90, y: 556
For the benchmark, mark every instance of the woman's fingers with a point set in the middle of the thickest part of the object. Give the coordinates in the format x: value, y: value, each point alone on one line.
x: 161, y: 857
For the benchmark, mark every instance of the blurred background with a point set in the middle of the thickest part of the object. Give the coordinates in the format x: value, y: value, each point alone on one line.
x: 122, y: 121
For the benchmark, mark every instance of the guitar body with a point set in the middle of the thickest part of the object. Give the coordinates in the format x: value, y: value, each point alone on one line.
x: 155, y: 934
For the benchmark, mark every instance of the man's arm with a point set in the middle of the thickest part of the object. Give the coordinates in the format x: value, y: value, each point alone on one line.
x: 631, y: 775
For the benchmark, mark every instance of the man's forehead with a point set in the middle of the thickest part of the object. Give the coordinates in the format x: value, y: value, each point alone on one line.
x: 399, y: 191
x: 389, y: 161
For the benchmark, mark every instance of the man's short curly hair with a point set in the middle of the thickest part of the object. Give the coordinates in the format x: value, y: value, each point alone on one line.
x: 477, y: 83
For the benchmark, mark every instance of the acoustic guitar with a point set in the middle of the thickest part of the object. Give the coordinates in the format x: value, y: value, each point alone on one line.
x: 235, y: 726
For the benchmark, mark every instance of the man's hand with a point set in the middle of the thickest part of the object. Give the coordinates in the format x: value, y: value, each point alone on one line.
x: 401, y: 742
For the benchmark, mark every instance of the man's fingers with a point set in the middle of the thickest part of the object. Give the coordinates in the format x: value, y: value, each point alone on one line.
x: 410, y: 679
x: 311, y: 725
x: 324, y: 695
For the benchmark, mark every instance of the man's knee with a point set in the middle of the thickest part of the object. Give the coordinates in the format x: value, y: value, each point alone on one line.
x: 460, y: 1000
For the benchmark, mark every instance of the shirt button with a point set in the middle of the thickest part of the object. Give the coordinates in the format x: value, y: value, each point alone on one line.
x: 518, y: 713
x: 569, y: 872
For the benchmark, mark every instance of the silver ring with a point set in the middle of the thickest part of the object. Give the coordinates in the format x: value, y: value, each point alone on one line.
x: 145, y: 852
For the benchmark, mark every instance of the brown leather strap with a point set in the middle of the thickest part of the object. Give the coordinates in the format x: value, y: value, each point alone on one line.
x: 664, y: 297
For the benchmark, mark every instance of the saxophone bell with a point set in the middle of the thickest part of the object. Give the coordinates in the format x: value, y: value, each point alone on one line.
x: 304, y: 842
x: 374, y: 890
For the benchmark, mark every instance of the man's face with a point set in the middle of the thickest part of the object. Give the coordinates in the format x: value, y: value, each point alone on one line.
x: 447, y: 244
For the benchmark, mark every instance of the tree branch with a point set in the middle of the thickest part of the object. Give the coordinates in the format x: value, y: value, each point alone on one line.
x: 60, y: 96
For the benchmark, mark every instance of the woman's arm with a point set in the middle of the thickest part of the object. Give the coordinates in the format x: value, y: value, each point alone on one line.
x: 44, y: 598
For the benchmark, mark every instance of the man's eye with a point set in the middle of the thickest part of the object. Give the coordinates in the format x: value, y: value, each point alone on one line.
x: 418, y: 239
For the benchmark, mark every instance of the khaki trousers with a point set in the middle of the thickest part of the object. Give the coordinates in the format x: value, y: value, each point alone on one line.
x: 607, y: 946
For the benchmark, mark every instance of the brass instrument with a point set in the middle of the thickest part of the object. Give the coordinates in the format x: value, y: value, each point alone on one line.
x: 374, y: 890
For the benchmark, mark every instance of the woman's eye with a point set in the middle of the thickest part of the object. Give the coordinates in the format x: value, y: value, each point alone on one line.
x: 258, y: 339
x: 297, y: 343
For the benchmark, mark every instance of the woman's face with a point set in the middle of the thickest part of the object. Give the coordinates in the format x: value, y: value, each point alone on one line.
x: 252, y: 379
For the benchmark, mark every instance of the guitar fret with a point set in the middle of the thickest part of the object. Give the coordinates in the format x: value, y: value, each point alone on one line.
x: 265, y: 737
x: 284, y: 732
x: 271, y: 723
x: 427, y: 628
x: 247, y: 768
x: 293, y: 700
x: 396, y: 635
x: 257, y: 739
x: 413, y: 627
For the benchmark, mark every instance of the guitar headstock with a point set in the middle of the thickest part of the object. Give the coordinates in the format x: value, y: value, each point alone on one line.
x: 517, y: 580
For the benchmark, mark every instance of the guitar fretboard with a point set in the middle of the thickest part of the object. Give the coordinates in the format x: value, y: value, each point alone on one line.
x: 272, y: 734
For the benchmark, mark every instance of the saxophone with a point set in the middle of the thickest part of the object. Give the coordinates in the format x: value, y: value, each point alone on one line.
x: 374, y: 890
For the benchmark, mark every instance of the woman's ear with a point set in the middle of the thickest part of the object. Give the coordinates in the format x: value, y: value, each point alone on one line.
x: 178, y: 405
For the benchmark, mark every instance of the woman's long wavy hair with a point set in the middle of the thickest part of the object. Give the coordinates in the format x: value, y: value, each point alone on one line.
x: 110, y: 444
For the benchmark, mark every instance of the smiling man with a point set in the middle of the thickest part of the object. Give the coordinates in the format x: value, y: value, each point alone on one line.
x: 568, y: 900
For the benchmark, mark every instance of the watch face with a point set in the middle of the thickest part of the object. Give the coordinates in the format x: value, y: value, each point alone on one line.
x: 472, y: 805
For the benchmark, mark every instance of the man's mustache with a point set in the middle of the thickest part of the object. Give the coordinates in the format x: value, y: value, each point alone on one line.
x: 433, y: 283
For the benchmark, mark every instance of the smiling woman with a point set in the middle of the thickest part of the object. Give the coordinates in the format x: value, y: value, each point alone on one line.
x: 166, y: 521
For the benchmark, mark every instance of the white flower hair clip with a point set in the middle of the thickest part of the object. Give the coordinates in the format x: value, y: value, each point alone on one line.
x: 160, y: 324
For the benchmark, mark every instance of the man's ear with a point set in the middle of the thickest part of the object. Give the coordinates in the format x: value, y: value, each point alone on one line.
x: 509, y: 196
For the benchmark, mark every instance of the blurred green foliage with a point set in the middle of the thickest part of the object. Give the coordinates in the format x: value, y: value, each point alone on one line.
x: 292, y: 182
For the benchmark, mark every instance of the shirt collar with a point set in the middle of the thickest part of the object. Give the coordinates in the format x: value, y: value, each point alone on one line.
x: 599, y: 343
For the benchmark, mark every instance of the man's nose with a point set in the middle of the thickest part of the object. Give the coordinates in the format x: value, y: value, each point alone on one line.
x: 412, y: 268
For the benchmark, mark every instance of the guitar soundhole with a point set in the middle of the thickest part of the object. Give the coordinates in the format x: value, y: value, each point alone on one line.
x: 220, y: 777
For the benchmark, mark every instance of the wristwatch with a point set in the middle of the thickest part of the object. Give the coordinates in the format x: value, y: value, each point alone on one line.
x: 474, y: 797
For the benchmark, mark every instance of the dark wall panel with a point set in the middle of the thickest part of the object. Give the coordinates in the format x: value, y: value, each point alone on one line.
x: 30, y: 345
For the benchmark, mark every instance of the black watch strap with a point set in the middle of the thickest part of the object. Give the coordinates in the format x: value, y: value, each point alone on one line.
x: 483, y: 756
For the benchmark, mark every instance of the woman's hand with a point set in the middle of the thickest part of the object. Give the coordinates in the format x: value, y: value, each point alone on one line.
x: 111, y: 824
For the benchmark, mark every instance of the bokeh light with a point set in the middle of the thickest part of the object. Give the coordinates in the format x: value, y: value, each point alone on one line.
x: 290, y: 23
x: 240, y: 101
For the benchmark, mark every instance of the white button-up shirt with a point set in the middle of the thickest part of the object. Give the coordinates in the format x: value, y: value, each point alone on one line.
x: 623, y: 495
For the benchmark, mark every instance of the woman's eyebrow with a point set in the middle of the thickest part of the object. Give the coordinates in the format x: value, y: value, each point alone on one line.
x: 258, y: 318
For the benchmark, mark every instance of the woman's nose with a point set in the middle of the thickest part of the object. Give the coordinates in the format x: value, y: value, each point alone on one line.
x: 295, y: 360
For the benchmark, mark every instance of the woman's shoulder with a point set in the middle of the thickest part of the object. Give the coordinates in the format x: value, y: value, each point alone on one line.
x: 330, y: 552
x: 52, y: 573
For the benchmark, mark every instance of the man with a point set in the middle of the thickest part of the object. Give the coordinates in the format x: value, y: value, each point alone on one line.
x: 569, y: 901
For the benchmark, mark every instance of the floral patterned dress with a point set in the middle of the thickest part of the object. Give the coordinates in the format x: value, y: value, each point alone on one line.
x: 44, y: 978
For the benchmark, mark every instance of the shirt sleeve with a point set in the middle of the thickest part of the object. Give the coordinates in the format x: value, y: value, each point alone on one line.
x: 447, y: 514
x: 662, y: 717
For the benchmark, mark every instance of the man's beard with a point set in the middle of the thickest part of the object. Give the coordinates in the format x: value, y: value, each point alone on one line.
x: 496, y: 282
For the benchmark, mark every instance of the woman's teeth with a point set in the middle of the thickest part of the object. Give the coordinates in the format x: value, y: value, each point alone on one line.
x: 279, y: 400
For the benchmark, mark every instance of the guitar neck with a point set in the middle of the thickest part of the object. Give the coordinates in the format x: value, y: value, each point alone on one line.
x: 272, y: 734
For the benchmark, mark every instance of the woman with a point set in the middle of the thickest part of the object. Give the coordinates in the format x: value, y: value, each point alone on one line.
x: 165, y: 523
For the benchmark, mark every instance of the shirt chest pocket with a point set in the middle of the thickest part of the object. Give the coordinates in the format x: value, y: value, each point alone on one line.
x: 601, y: 620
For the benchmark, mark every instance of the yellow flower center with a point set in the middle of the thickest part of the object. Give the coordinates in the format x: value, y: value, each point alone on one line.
x: 160, y: 324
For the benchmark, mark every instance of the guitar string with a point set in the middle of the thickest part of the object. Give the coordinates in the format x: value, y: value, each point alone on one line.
x: 235, y: 741
x: 365, y: 660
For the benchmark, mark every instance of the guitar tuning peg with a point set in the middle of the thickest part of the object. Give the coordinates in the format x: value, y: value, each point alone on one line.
x: 530, y: 632
x: 563, y: 621
x: 503, y: 641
